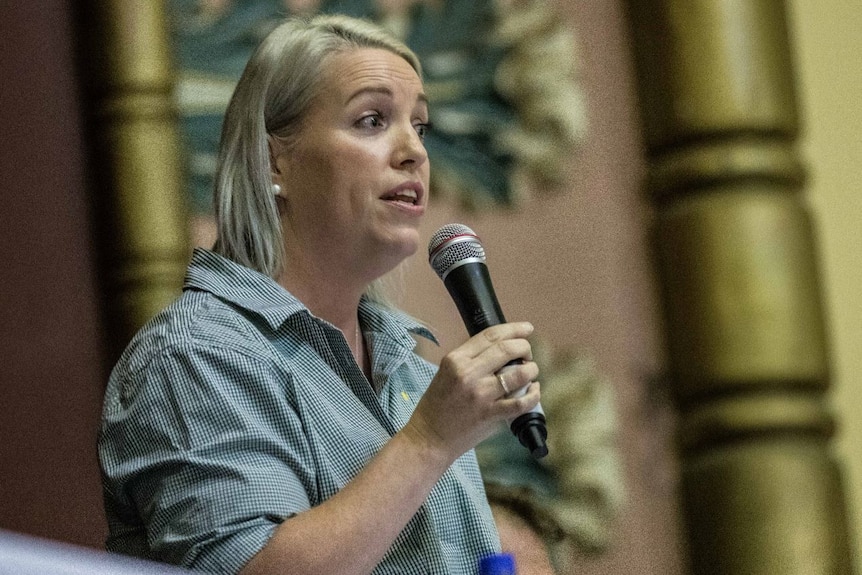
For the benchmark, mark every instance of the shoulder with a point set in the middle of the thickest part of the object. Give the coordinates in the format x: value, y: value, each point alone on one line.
x: 198, y: 338
x: 197, y: 320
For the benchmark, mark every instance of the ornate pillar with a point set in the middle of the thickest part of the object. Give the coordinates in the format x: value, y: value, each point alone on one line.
x: 135, y: 159
x: 760, y: 492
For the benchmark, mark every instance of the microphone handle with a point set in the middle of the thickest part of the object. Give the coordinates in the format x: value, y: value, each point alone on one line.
x: 470, y: 286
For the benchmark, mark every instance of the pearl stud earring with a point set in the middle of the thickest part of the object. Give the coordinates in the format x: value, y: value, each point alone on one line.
x: 276, y: 189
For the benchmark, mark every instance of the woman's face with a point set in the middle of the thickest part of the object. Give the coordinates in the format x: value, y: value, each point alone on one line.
x: 355, y: 183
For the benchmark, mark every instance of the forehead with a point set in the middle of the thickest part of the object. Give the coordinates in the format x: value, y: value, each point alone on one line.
x: 351, y: 72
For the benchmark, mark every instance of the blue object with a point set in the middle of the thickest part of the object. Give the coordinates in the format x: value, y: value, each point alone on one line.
x: 498, y: 564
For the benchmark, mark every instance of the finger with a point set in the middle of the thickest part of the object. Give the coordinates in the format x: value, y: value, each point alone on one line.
x: 493, y: 335
x: 516, y: 404
x: 501, y: 379
x: 505, y: 352
x: 465, y: 368
x: 512, y: 378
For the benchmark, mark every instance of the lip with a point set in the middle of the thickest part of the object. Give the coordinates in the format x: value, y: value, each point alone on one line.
x: 414, y: 186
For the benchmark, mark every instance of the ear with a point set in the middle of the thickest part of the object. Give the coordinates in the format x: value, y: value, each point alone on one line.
x: 274, y: 151
x: 274, y: 171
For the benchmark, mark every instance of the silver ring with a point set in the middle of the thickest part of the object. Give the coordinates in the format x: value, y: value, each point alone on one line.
x: 502, y: 383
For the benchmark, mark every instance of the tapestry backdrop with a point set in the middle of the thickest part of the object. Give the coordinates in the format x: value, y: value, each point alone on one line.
x: 501, y: 80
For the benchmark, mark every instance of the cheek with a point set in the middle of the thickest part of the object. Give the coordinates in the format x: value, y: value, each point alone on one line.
x: 313, y: 174
x: 357, y: 168
x: 342, y: 171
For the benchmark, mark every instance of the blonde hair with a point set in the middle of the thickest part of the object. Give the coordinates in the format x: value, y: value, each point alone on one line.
x: 274, y: 93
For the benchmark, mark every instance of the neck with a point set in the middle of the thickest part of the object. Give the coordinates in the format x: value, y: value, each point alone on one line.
x: 333, y: 298
x: 327, y: 289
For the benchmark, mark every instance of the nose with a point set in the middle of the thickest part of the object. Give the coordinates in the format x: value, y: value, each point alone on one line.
x: 409, y: 152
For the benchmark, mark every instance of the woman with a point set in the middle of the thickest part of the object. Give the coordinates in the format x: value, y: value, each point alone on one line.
x: 275, y: 418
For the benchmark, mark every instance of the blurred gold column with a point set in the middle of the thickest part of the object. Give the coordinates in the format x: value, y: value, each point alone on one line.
x: 760, y: 490
x: 136, y: 163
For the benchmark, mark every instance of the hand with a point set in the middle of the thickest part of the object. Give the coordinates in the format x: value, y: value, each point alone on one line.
x: 465, y: 402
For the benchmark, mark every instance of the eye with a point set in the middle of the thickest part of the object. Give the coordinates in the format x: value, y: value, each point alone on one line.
x: 422, y: 129
x: 371, y: 121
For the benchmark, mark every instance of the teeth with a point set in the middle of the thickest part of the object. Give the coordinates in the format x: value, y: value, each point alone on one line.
x: 404, y: 196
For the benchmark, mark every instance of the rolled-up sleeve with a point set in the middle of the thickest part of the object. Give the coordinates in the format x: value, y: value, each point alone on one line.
x: 202, y: 456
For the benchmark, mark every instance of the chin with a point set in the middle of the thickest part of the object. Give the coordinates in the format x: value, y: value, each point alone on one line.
x: 400, y: 246
x: 410, y: 242
x: 405, y: 251
x: 404, y: 237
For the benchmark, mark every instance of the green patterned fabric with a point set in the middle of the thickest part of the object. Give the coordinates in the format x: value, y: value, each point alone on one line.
x: 235, y: 409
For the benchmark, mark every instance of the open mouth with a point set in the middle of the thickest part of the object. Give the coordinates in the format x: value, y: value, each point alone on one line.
x: 407, y: 196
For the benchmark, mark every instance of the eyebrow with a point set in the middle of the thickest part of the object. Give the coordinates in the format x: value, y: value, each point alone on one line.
x: 422, y: 98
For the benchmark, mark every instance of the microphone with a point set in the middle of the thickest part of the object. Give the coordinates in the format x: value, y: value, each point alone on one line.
x: 457, y: 255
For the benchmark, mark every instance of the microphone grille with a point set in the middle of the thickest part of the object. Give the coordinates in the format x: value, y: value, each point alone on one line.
x: 453, y: 244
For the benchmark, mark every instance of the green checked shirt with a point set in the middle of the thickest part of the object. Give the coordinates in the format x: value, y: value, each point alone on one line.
x: 235, y: 409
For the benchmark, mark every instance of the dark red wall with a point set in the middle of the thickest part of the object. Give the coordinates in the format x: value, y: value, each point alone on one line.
x: 52, y: 370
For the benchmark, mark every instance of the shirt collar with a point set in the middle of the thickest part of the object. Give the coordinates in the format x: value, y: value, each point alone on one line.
x: 242, y: 286
x: 379, y: 317
x: 262, y: 295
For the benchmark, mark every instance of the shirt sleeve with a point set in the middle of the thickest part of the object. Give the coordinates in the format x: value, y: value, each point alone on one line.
x: 203, y: 448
